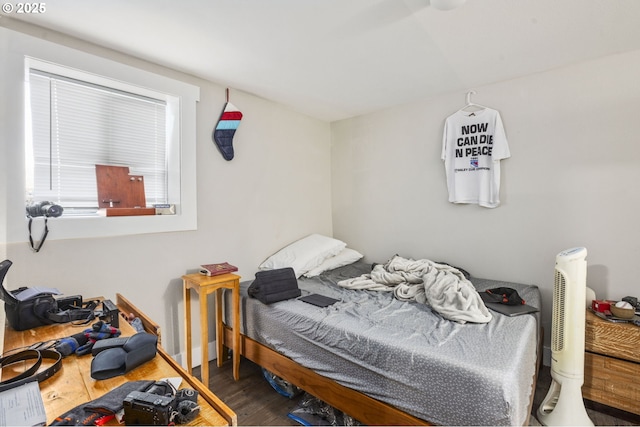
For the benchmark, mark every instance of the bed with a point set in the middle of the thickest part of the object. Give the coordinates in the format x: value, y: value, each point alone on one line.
x: 386, y: 361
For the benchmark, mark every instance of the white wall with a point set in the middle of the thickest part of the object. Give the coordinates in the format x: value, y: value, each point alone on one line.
x: 572, y: 180
x: 275, y: 190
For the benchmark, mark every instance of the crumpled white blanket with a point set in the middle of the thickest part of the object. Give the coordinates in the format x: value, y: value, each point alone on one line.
x: 441, y: 286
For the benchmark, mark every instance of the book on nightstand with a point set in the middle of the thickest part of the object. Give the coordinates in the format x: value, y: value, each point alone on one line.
x: 216, y: 269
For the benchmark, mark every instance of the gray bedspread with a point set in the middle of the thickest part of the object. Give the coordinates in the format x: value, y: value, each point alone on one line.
x: 404, y: 354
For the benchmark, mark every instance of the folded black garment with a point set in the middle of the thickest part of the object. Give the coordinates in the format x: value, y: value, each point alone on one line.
x: 275, y: 285
x: 117, y: 356
x: 108, y: 404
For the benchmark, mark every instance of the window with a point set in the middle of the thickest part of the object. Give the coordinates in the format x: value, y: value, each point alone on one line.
x: 66, y: 132
x: 76, y: 124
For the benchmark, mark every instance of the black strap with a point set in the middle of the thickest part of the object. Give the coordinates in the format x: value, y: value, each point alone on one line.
x: 84, y: 315
x: 66, y: 316
x: 37, y: 247
x: 31, y: 373
x: 19, y: 357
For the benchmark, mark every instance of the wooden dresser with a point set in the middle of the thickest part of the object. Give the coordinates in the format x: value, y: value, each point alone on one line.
x: 612, y: 363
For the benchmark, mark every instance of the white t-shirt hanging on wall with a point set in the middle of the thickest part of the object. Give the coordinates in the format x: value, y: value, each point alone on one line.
x: 472, y: 147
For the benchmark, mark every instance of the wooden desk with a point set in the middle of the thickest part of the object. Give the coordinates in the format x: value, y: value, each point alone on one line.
x: 73, y: 384
x: 205, y: 285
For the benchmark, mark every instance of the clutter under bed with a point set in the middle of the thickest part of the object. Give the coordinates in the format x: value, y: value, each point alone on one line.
x: 404, y: 353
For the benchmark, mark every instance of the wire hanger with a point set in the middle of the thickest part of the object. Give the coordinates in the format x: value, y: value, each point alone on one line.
x: 470, y: 104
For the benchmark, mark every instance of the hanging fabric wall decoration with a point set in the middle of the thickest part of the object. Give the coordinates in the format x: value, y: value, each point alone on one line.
x: 226, y: 128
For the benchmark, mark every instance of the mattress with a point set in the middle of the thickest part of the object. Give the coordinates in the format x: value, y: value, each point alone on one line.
x: 403, y: 353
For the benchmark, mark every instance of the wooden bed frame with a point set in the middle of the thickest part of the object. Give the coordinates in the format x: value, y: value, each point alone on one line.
x: 363, y: 408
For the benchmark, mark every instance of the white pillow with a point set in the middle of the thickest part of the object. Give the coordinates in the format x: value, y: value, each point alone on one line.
x: 304, y: 254
x: 346, y: 257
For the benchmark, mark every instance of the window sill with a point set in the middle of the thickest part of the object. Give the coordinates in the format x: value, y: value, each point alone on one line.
x: 92, y: 226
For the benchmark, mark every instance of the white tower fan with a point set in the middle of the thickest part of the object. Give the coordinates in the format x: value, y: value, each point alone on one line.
x: 563, y: 404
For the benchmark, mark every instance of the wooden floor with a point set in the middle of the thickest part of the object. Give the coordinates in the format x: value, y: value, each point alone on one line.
x: 257, y: 404
x: 252, y: 398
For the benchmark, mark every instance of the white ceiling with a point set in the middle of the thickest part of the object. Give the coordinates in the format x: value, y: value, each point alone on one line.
x: 334, y: 59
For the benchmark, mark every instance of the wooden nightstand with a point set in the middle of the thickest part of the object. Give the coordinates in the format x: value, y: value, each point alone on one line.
x: 612, y: 363
x: 204, y: 285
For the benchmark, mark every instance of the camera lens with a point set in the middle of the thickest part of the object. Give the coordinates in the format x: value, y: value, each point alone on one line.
x: 52, y: 210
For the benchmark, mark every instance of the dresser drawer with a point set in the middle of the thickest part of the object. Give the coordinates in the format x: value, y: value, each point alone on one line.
x: 619, y: 340
x: 613, y: 382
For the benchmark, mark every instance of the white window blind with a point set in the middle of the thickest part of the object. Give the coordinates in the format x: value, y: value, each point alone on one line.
x: 76, y: 125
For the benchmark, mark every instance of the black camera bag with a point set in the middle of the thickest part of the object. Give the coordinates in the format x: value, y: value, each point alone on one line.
x: 274, y: 285
x: 41, y: 309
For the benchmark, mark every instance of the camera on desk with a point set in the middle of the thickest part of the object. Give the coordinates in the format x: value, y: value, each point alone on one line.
x: 148, y: 409
x: 160, y: 406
